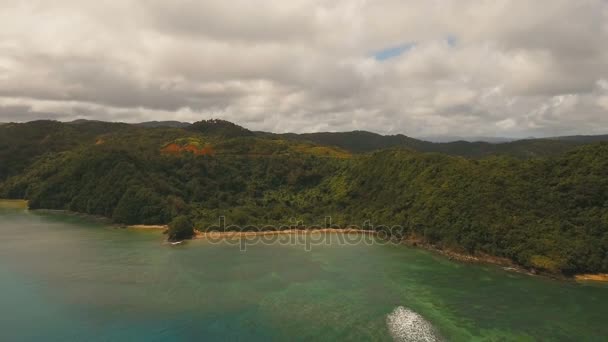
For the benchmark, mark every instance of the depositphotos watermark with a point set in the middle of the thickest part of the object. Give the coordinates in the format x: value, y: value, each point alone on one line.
x: 299, y: 234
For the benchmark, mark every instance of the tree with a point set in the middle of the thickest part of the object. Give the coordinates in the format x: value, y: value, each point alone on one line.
x: 180, y: 228
x: 140, y: 205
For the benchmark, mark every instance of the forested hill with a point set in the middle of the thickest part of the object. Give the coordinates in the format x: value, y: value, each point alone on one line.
x: 363, y: 141
x: 354, y: 142
x: 548, y: 213
x: 21, y: 144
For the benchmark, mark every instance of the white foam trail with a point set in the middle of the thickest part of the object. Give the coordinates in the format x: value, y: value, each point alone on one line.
x: 407, y: 326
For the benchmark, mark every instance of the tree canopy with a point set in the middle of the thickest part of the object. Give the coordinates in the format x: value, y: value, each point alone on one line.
x: 180, y: 228
x: 548, y: 212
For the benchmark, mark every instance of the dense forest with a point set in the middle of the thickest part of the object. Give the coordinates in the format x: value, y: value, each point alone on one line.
x: 541, y: 203
x: 362, y: 142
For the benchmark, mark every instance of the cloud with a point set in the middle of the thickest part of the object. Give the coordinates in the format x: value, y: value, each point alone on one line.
x: 485, y: 68
x: 13, y: 113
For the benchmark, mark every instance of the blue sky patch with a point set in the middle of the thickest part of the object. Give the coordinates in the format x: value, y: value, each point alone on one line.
x: 451, y: 40
x: 392, y: 52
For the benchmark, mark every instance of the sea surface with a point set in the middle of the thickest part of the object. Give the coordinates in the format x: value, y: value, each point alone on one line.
x: 69, y: 278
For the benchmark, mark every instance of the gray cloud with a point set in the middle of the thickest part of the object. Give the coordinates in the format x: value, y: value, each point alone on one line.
x: 18, y: 112
x: 513, y: 68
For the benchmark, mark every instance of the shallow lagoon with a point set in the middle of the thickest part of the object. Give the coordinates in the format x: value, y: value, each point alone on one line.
x: 64, y: 277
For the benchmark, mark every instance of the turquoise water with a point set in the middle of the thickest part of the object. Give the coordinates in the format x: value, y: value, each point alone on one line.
x: 69, y: 278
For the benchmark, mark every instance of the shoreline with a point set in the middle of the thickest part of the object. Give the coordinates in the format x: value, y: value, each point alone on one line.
x: 480, y: 259
x: 147, y: 227
x: 73, y: 213
x: 98, y: 218
x: 14, y: 203
x: 504, y: 263
x: 599, y: 277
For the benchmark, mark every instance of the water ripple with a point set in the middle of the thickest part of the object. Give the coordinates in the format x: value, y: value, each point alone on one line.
x: 407, y: 326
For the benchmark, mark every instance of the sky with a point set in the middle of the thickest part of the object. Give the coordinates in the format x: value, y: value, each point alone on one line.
x: 491, y: 68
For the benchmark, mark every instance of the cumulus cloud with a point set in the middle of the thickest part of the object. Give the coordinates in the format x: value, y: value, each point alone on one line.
x: 422, y: 68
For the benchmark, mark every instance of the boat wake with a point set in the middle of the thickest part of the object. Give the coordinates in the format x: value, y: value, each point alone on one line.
x: 407, y: 326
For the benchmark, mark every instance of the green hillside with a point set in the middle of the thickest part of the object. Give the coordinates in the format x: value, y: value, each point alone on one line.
x: 362, y: 142
x: 548, y: 213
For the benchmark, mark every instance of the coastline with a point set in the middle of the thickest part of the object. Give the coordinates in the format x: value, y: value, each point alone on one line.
x: 599, y: 277
x: 13, y: 203
x: 98, y: 218
x: 506, y: 264
x: 147, y: 227
x: 484, y: 259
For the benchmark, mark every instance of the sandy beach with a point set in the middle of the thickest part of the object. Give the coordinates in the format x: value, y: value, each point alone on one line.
x: 143, y: 226
x: 8, y: 203
x: 603, y: 277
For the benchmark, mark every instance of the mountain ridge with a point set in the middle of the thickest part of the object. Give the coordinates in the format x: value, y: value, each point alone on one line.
x: 539, y: 203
